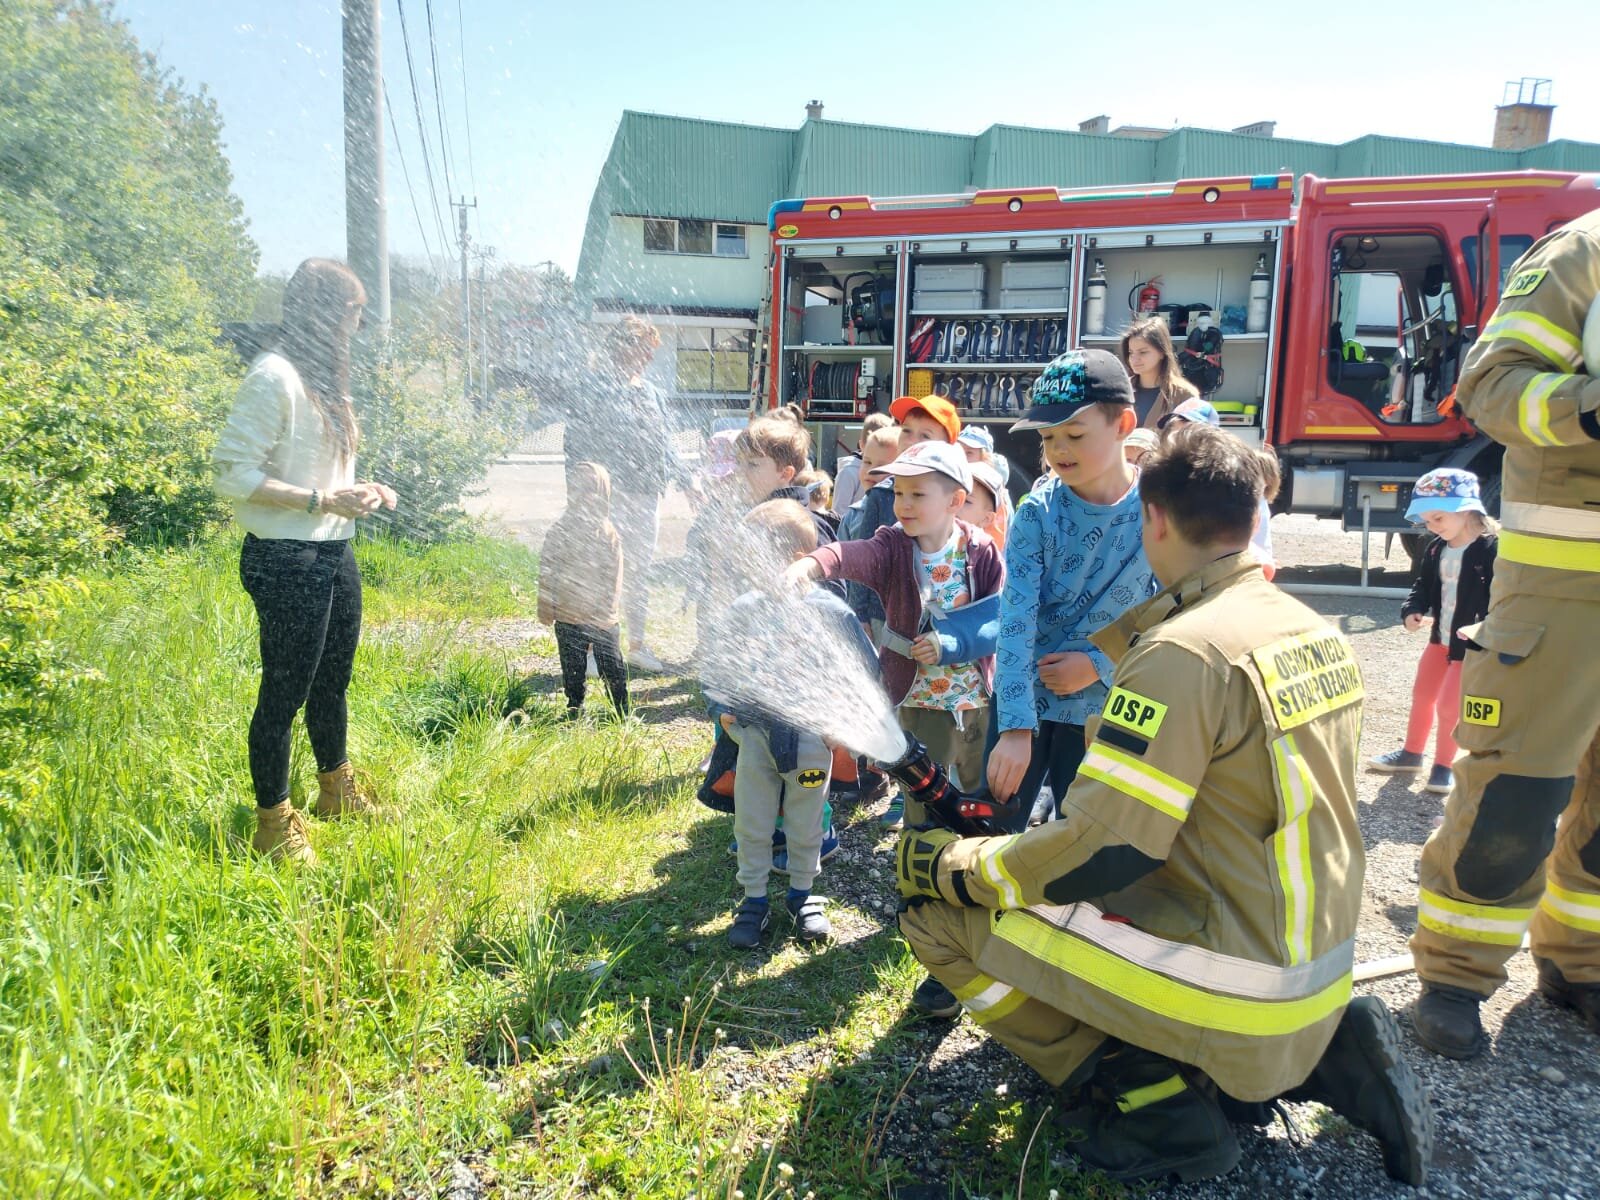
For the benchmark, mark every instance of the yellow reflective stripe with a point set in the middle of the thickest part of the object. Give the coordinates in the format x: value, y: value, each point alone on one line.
x: 1549, y: 339
x: 995, y: 872
x: 1128, y: 775
x: 1472, y: 922
x: 976, y: 986
x: 1291, y: 846
x: 988, y: 999
x: 1152, y: 1094
x: 1535, y: 551
x: 1533, y: 409
x: 1167, y: 998
x: 1576, y: 910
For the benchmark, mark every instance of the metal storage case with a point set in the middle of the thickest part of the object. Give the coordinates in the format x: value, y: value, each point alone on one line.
x: 949, y: 277
x: 1033, y: 297
x: 937, y: 302
x: 1016, y: 275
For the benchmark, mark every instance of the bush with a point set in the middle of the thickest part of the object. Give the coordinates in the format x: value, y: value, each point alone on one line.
x: 422, y: 438
x: 100, y: 425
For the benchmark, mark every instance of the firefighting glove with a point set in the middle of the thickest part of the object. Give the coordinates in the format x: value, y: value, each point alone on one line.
x: 916, y: 862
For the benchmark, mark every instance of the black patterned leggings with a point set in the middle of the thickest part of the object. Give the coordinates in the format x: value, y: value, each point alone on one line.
x: 308, y: 601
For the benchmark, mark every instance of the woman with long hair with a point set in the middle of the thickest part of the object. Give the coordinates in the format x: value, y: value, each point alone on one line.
x: 287, y: 461
x: 1158, y: 383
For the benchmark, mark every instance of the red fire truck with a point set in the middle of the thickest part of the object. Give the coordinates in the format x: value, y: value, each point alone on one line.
x: 1344, y: 306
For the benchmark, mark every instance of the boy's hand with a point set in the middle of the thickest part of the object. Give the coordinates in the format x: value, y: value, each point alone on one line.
x: 926, y: 650
x: 801, y: 573
x: 1416, y: 621
x: 726, y: 721
x: 1008, y: 762
x: 1067, y: 671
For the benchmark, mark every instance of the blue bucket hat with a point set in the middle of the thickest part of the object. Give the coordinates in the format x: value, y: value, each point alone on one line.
x: 1201, y: 412
x: 1074, y: 382
x: 1448, y: 489
x: 977, y: 435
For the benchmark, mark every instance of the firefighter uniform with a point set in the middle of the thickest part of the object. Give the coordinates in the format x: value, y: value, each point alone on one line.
x: 1199, y: 896
x: 1500, y: 863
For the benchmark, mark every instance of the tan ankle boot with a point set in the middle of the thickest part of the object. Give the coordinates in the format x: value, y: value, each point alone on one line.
x: 281, y: 835
x: 339, y: 795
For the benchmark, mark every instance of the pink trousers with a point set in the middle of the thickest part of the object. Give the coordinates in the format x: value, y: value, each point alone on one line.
x: 1437, y: 691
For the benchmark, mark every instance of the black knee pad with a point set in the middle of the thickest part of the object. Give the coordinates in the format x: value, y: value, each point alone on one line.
x: 1589, y: 854
x: 1512, y: 834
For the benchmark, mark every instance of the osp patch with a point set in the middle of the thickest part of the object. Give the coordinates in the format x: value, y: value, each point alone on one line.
x: 1481, y: 710
x: 1523, y: 283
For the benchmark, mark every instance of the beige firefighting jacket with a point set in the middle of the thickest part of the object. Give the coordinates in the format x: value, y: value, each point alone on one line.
x: 1226, y: 750
x: 1525, y: 384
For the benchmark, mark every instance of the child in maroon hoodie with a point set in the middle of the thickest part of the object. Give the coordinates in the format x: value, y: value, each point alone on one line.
x: 929, y: 562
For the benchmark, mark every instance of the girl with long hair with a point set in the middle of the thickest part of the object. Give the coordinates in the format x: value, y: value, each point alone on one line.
x: 1158, y: 383
x: 286, y: 459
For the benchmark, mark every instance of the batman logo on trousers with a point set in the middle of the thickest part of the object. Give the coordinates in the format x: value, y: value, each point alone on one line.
x: 812, y: 778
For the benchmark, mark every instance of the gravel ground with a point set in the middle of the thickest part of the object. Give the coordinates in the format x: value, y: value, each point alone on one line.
x: 1517, y: 1123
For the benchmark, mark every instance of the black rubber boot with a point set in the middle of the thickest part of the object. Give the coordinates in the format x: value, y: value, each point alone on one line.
x: 1447, y: 1022
x: 1582, y: 998
x: 933, y: 999
x: 1146, y: 1122
x: 1365, y: 1079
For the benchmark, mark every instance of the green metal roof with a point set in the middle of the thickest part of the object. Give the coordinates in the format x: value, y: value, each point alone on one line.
x: 663, y: 166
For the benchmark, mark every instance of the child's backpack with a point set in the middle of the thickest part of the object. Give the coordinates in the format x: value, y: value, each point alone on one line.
x: 1200, y: 360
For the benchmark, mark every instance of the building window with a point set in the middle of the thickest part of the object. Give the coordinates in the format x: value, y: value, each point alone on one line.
x: 694, y: 237
x: 712, y: 359
x: 719, y: 238
x: 660, y: 237
x: 730, y: 241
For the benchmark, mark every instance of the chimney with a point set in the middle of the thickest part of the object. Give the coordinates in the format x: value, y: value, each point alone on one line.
x: 1100, y: 124
x: 1522, y: 118
x: 814, y: 110
x: 1261, y: 129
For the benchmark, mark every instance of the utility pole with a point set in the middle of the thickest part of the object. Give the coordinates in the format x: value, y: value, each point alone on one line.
x: 485, y: 389
x: 366, y: 219
x: 465, y: 239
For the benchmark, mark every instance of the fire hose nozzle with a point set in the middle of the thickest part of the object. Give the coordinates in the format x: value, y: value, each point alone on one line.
x: 970, y: 814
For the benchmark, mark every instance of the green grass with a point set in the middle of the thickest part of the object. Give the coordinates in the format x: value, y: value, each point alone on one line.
x: 527, y: 969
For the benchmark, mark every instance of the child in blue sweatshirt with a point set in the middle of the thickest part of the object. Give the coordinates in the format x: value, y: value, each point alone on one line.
x: 1074, y: 563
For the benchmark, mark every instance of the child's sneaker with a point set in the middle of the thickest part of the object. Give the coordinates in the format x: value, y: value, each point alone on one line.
x: 750, y: 920
x: 1439, y: 780
x: 780, y: 852
x: 810, y: 921
x: 1397, y: 762
x: 894, y: 816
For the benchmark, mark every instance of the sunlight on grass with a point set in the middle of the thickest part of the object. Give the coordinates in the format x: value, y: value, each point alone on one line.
x: 527, y: 969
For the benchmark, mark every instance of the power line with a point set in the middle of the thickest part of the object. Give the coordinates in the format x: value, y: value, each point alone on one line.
x: 446, y: 154
x: 422, y: 127
x: 466, y: 107
x: 405, y: 172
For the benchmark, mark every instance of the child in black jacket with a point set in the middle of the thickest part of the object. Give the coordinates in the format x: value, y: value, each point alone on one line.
x: 1450, y: 592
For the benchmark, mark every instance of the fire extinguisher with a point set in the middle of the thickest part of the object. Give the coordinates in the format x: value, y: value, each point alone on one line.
x: 1149, y: 296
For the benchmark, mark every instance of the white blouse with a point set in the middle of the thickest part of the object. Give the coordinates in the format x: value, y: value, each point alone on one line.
x: 276, y: 432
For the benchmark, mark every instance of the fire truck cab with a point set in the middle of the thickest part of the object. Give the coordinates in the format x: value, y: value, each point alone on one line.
x: 1345, y: 308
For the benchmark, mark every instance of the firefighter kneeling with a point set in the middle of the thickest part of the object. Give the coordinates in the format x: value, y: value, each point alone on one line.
x: 1178, y: 947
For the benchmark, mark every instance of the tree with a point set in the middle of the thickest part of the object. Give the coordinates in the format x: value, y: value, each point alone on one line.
x: 121, y: 243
